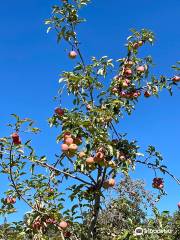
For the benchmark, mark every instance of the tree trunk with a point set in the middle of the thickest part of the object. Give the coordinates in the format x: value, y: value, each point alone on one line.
x: 92, y: 232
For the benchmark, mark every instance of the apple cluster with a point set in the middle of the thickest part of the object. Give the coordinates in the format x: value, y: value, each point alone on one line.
x: 70, y: 145
x: 38, y: 223
x: 123, y: 82
x: 10, y: 200
x: 99, y: 159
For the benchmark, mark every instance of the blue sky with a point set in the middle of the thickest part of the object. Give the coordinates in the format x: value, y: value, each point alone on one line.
x: 31, y: 61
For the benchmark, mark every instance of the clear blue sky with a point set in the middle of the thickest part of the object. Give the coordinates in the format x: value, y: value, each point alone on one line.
x: 30, y: 62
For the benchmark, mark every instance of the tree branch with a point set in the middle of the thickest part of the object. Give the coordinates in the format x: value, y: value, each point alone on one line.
x: 154, y: 166
x: 52, y: 168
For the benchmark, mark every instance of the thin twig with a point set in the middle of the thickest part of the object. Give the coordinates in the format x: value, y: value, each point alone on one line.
x: 14, y: 184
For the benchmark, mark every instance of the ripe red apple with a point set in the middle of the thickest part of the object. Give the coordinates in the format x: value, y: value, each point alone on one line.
x: 68, y: 140
x: 179, y: 205
x: 158, y: 183
x: 128, y: 72
x: 15, y: 136
x: 67, y: 135
x: 64, y: 147
x: 112, y: 182
x: 147, y: 94
x: 140, y: 43
x: 36, y: 224
x: 122, y: 157
x: 67, y: 234
x: 90, y: 161
x: 123, y: 94
x: 176, y: 79
x: 18, y: 142
x: 63, y: 225
x: 126, y: 83
x: 109, y: 183
x: 13, y: 200
x: 82, y: 154
x: 59, y: 111
x: 99, y: 156
x: 73, y: 147
x: 72, y: 54
x: 51, y: 221
x: 136, y: 94
x: 16, y: 139
x: 141, y: 69
x: 136, y: 45
x: 114, y: 90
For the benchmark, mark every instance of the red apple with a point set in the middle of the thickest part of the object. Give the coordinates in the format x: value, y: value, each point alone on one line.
x: 141, y: 69
x: 73, y: 147
x: 15, y: 136
x: 123, y: 94
x: 82, y: 154
x: 135, y: 45
x: 136, y: 94
x: 179, y: 205
x: 112, y: 182
x: 99, y: 156
x: 72, y: 54
x: 176, y: 79
x: 36, y: 225
x: 114, y: 90
x: 109, y: 183
x: 67, y: 234
x: 16, y: 139
x: 67, y: 135
x: 18, y: 142
x: 158, y: 183
x: 128, y: 72
x: 126, y: 83
x: 64, y: 147
x: 147, y: 94
x: 63, y: 225
x: 90, y: 161
x: 68, y: 140
x: 59, y: 111
x: 51, y: 221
